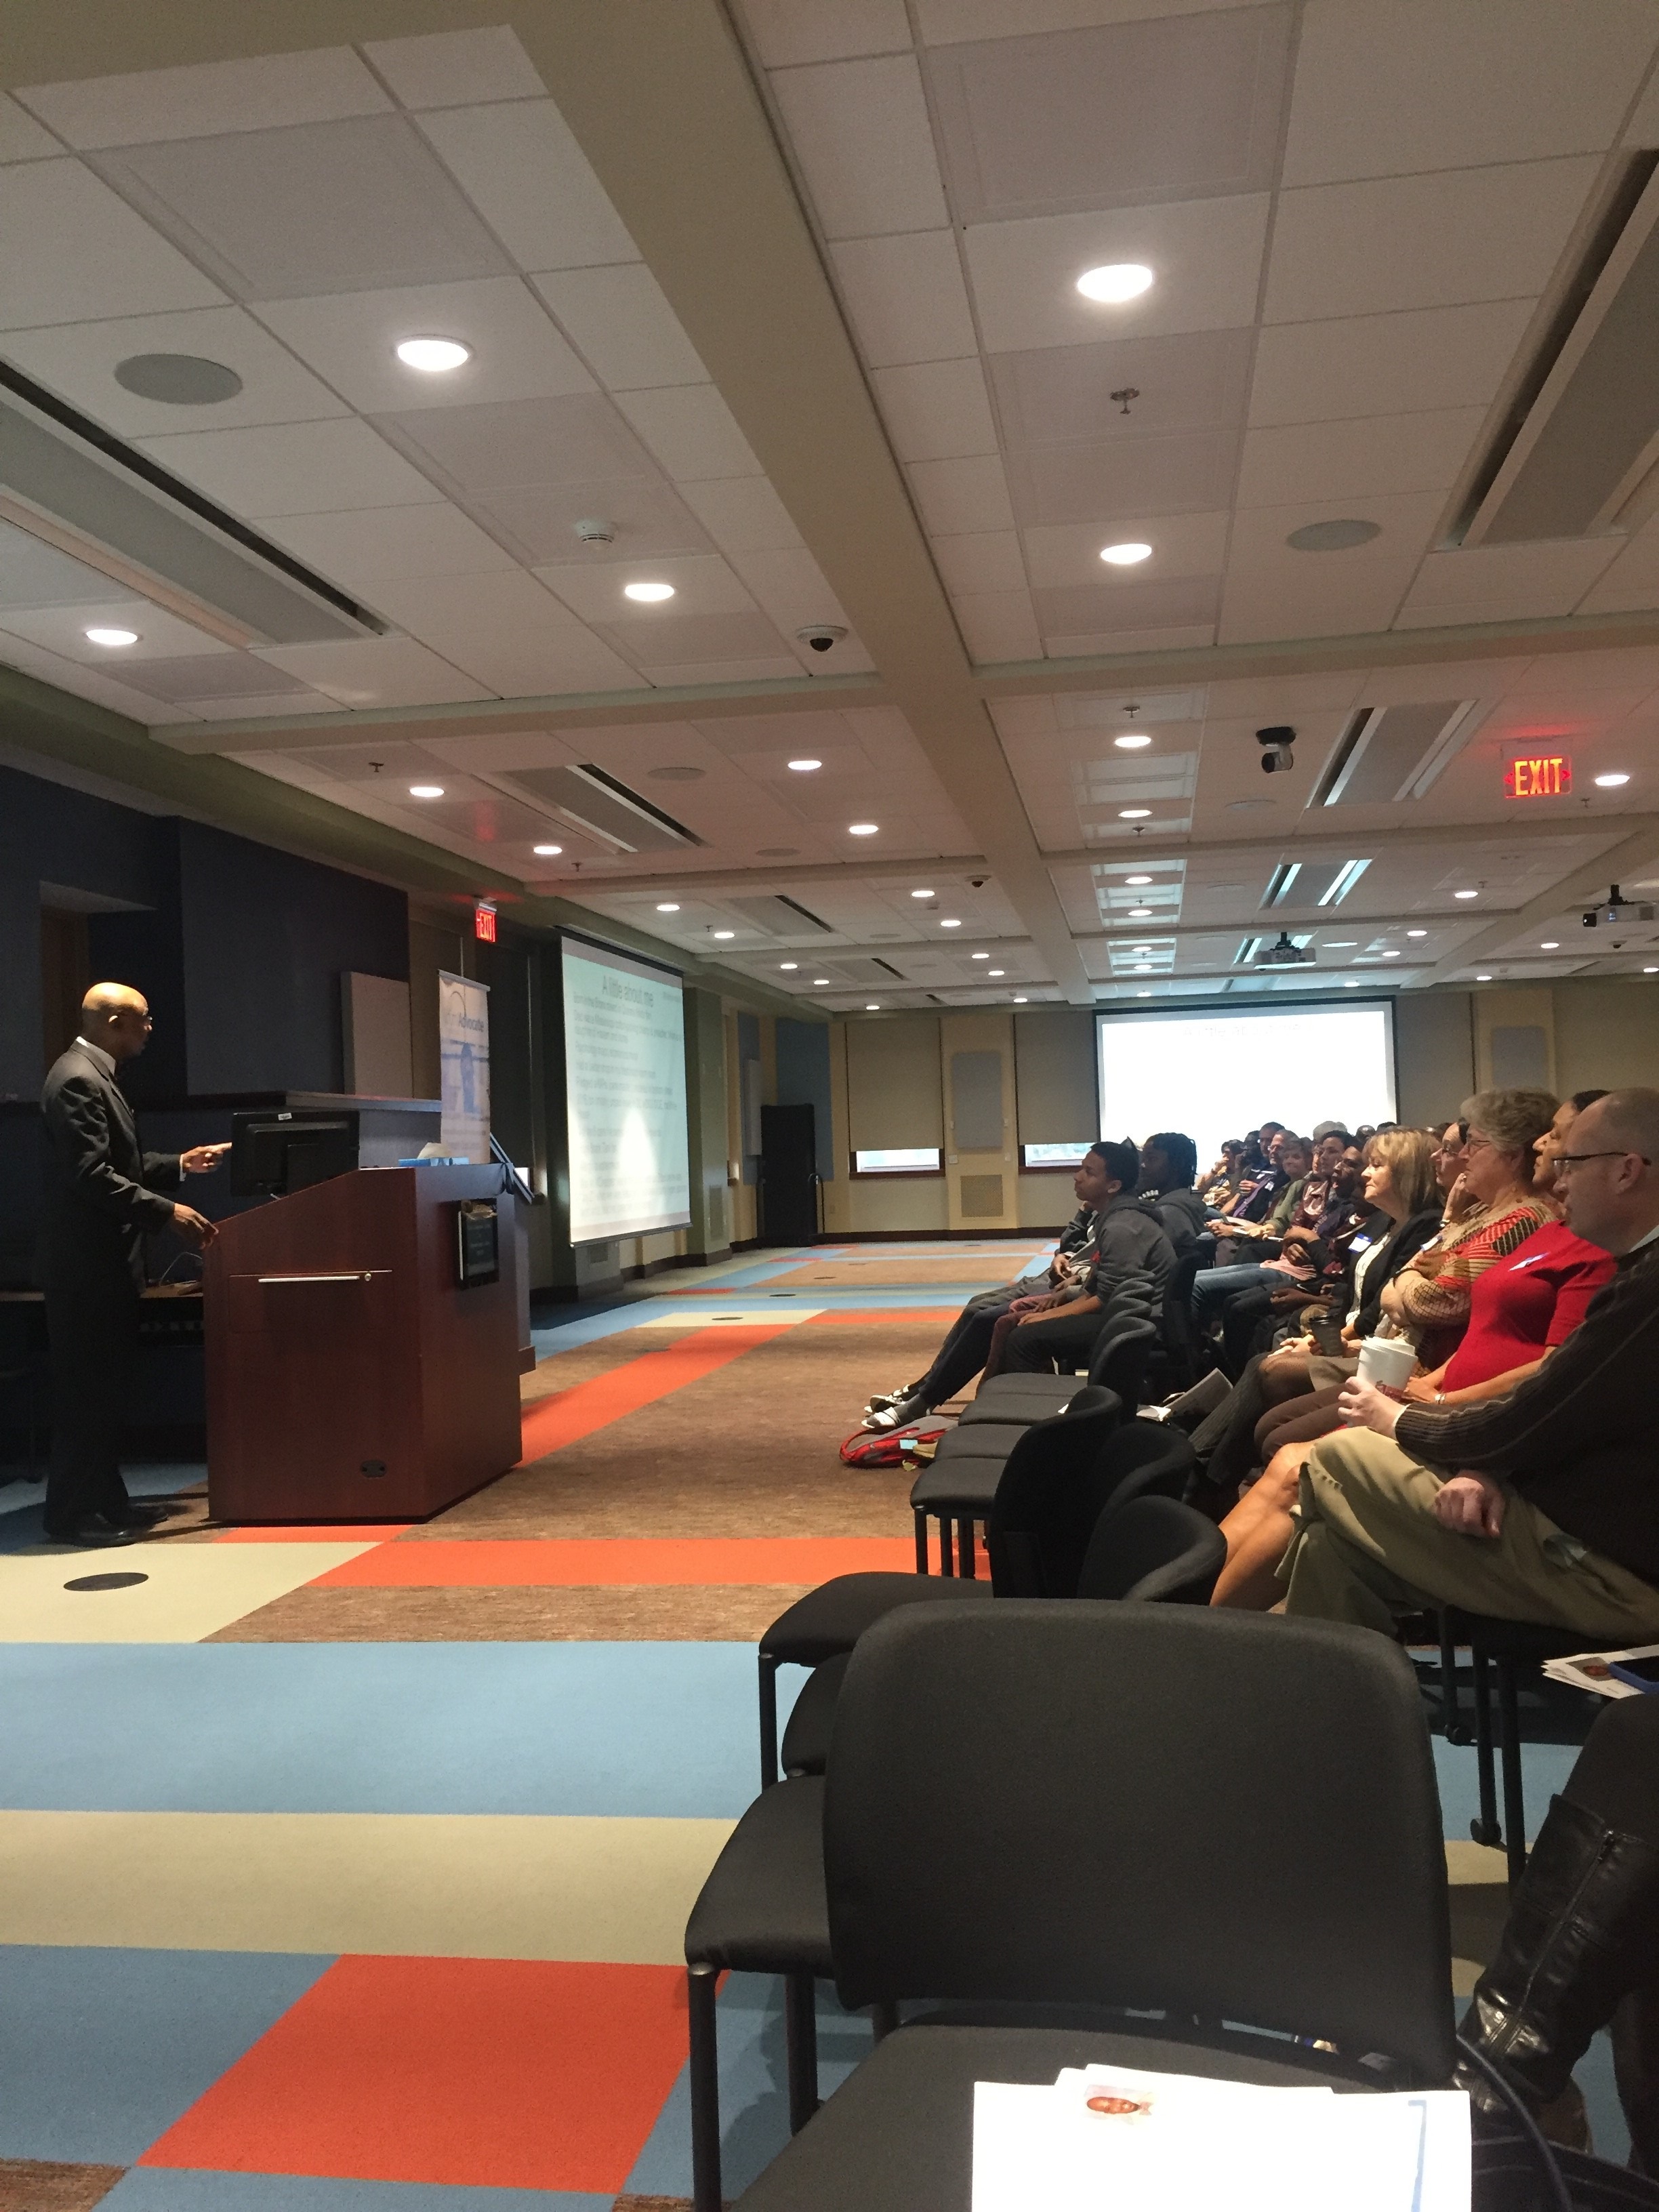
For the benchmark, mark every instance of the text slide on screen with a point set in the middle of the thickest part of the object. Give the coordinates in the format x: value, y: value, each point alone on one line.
x: 1217, y: 1076
x: 624, y: 1046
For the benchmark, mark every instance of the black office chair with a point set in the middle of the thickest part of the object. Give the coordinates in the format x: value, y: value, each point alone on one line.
x: 1018, y: 1398
x: 1503, y: 1648
x: 1021, y: 1813
x: 956, y: 1486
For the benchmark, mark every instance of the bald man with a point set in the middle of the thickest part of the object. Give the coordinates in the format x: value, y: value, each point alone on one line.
x: 103, y: 1194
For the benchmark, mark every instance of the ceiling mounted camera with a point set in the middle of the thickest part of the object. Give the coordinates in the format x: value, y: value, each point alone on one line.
x: 1275, y: 743
x: 1618, y: 908
x: 820, y: 636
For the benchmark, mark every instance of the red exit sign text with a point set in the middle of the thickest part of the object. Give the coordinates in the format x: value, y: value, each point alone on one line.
x: 1539, y: 775
x: 483, y: 924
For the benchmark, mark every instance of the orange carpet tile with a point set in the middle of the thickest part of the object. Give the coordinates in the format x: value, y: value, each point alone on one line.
x: 625, y: 1561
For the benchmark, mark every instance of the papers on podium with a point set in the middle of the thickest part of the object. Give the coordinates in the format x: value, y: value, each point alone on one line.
x: 1115, y: 2136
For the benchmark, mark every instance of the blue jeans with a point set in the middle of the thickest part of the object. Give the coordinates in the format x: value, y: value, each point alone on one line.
x: 1211, y: 1291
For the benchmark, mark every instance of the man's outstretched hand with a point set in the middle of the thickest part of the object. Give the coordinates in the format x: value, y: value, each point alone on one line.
x: 202, y: 1159
x: 1471, y: 1505
x: 195, y: 1228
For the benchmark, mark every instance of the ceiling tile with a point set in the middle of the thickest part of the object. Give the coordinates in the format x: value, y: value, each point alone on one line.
x: 1064, y: 395
x: 1387, y: 85
x: 906, y: 297
x: 861, y: 133
x: 686, y: 639
x: 984, y: 560
x: 1506, y: 583
x: 358, y: 549
x: 704, y: 584
x: 376, y: 671
x: 1184, y: 107
x: 692, y: 432
x: 1206, y: 254
x: 1426, y: 241
x: 998, y: 626
x: 1274, y: 591
x: 1422, y: 359
x: 942, y: 22
x: 742, y: 514
x: 207, y: 98
x: 790, y: 585
x: 258, y: 707
x: 506, y: 630
x: 649, y: 519
x: 1154, y: 603
x: 1189, y: 471
x: 78, y: 361
x: 935, y: 411
x: 511, y: 443
x: 773, y: 668
x: 1350, y: 460
x: 21, y: 138
x: 452, y: 69
x: 62, y: 631
x: 351, y: 338
x: 786, y: 32
x: 84, y: 682
x: 294, y: 468
x: 1182, y: 546
x: 358, y: 206
x: 33, y: 574
x: 71, y: 251
x: 966, y: 495
x: 1631, y: 579
x: 629, y: 334
x: 521, y: 168
x: 194, y: 677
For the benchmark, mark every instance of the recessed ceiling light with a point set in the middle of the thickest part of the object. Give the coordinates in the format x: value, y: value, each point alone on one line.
x: 1132, y: 881
x: 1143, y: 971
x: 1551, y: 944
x: 1610, y: 782
x: 1139, y: 912
x: 99, y: 634
x: 921, y: 894
x: 1132, y: 741
x: 1115, y: 281
x: 951, y: 924
x: 979, y: 956
x: 1417, y: 932
x: 725, y: 932
x: 647, y: 594
x: 1134, y: 813
x: 1126, y: 556
x: 1018, y: 1001
x: 1340, y: 944
x: 1391, y: 956
x: 804, y: 767
x: 996, y: 971
x: 1483, y: 979
x: 1140, y: 949
x: 787, y: 967
x: 426, y: 791
x: 862, y: 829
x: 1351, y: 985
x: 667, y: 906
x: 818, y: 981
x: 546, y: 851
x: 872, y: 1009
x: 434, y: 356
x: 1650, y: 971
x: 1143, y: 995
x: 1465, y: 895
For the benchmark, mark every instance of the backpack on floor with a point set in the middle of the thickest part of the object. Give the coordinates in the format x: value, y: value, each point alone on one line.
x: 909, y: 1446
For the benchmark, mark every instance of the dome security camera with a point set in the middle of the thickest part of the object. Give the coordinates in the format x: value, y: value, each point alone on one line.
x: 820, y: 636
x: 1275, y: 743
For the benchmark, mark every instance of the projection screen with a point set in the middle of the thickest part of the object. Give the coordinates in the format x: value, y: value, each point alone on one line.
x: 624, y: 1046
x: 1216, y: 1075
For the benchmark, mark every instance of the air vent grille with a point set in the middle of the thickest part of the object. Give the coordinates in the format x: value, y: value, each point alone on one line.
x: 599, y: 802
x: 1389, y: 753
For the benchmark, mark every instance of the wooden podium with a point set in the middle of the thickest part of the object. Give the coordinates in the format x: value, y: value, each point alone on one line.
x: 350, y: 1374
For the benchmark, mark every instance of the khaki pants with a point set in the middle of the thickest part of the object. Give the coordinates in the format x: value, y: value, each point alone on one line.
x: 1368, y: 1547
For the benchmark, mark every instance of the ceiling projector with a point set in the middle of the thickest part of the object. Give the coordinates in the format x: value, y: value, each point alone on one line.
x: 1286, y: 955
x: 1618, y: 908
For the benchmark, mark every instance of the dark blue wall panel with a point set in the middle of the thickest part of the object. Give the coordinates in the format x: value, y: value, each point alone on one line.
x: 803, y: 1080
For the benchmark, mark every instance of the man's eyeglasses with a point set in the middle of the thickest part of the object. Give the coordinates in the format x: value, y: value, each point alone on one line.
x: 1565, y: 1162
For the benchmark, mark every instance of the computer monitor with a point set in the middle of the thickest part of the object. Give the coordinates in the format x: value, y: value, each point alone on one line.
x: 275, y: 1153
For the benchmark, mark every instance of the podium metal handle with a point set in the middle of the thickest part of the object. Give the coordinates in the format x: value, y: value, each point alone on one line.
x: 353, y: 1275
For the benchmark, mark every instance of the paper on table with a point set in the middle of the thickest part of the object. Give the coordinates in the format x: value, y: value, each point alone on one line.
x: 1588, y: 1670
x: 1153, y: 2142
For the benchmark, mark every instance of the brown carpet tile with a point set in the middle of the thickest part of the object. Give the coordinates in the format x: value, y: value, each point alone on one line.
x: 902, y: 1274
x: 656, y: 1613
x: 33, y: 2185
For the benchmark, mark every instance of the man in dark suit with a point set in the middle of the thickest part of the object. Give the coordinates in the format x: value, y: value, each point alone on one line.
x: 103, y: 1193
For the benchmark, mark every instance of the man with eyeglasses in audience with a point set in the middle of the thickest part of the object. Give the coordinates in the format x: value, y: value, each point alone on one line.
x: 1542, y: 1506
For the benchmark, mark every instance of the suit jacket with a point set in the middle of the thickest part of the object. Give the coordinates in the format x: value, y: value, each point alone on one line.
x: 102, y: 1191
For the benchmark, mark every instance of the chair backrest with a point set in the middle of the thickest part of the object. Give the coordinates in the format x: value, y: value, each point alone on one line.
x: 1059, y: 1480
x: 1118, y: 1358
x: 1177, y: 1318
x: 1025, y: 1798
x: 1153, y: 1550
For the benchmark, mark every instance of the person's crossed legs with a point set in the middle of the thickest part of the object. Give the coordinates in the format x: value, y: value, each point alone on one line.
x: 1368, y: 1547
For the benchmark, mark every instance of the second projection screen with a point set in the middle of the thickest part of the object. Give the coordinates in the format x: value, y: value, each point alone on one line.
x: 625, y: 1045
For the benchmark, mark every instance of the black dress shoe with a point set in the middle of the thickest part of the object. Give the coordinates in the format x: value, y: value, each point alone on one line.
x: 94, y: 1533
x: 136, y: 1513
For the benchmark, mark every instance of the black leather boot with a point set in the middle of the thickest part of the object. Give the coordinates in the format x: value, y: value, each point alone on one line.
x: 1582, y: 1930
x: 1636, y: 2069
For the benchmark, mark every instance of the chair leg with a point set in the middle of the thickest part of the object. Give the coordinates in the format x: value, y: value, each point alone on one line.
x: 800, y: 2028
x: 965, y: 1550
x: 1514, y: 1807
x: 769, y: 1719
x: 702, y: 1984
x: 1451, y: 1726
x: 884, y: 2019
x: 947, y: 1559
x: 1485, y: 1830
x: 921, y: 1520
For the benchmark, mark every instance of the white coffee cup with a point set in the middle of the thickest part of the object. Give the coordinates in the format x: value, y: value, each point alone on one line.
x: 1387, y: 1362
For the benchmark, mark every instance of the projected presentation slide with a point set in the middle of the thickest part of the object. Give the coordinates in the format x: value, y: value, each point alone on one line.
x: 624, y: 1050
x: 1219, y: 1075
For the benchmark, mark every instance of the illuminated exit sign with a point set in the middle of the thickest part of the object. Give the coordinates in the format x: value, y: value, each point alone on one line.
x: 1539, y: 775
x: 484, y: 922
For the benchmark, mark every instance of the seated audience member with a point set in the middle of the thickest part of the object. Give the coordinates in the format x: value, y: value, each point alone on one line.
x: 1540, y: 1505
x: 1168, y: 1167
x: 1036, y: 1333
x: 1234, y: 1271
x: 1401, y: 1188
x: 1263, y: 1179
x: 1552, y: 1143
x: 968, y: 1343
x: 1223, y: 1180
x: 1312, y: 1260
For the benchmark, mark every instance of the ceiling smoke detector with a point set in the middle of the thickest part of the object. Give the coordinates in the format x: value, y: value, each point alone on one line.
x: 594, y: 530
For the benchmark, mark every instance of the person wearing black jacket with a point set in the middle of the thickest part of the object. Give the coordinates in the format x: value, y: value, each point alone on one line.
x: 1128, y: 1240
x: 103, y: 1193
x: 1169, y: 1169
x: 1541, y: 1505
